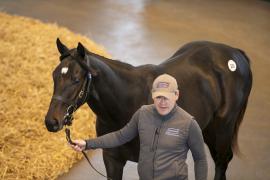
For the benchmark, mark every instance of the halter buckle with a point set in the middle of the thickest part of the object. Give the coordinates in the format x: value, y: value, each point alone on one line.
x: 81, y: 94
x: 69, y: 115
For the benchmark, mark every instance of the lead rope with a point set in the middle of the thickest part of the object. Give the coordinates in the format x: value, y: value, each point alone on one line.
x: 84, y: 154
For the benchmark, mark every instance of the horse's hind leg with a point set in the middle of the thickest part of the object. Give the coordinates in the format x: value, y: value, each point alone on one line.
x: 114, y: 164
x: 225, y: 129
x: 224, y: 153
x: 218, y: 136
x: 209, y: 136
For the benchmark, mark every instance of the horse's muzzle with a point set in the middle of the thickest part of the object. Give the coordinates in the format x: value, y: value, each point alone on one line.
x: 53, y: 125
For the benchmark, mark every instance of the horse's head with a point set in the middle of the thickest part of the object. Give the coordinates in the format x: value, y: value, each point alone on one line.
x: 72, y: 79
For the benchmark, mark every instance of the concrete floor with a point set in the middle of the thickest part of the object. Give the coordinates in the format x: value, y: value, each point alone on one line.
x: 148, y: 31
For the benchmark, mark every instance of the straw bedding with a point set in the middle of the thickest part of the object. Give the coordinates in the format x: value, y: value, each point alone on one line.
x: 28, y: 55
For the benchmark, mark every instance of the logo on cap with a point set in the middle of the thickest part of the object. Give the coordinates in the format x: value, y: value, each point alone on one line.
x: 163, y: 85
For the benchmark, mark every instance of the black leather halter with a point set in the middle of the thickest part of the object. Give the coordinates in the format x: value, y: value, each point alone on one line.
x: 72, y: 106
x: 82, y: 96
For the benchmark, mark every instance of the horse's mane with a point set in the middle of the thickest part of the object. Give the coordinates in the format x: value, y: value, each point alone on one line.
x: 116, y: 63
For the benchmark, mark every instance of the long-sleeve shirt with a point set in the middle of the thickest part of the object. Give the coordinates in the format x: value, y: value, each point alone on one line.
x: 164, y: 143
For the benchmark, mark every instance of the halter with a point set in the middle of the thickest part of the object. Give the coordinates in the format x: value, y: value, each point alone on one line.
x: 82, y: 97
x: 72, y: 107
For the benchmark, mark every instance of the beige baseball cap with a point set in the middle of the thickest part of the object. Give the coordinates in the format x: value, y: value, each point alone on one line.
x: 164, y: 85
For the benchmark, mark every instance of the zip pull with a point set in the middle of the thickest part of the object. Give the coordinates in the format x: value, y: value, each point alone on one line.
x: 154, y: 139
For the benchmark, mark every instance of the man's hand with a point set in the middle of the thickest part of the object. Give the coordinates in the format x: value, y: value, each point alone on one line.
x: 79, y: 145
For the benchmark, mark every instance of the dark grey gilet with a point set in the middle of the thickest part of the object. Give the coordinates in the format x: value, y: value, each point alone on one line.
x: 164, y: 143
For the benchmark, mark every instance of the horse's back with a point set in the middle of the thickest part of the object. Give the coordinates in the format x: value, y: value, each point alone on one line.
x: 202, y: 53
x: 211, y: 58
x: 207, y: 78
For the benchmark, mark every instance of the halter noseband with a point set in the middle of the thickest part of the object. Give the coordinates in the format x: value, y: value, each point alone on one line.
x: 82, y: 97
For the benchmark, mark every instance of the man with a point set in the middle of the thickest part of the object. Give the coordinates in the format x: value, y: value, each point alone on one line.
x: 166, y: 134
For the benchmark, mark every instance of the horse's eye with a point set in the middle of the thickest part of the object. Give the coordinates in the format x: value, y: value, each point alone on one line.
x: 75, y: 80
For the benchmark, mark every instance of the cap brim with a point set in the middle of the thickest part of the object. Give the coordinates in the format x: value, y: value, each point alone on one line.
x: 168, y: 95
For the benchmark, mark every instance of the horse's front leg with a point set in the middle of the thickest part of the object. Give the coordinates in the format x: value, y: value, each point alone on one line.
x: 114, y: 163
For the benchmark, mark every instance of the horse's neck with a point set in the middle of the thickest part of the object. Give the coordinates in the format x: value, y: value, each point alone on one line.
x: 112, y: 88
x: 114, y: 74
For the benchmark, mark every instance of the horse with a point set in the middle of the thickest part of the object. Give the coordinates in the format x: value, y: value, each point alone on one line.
x: 214, y: 80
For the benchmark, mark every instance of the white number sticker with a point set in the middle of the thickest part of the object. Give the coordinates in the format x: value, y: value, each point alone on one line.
x: 232, y: 65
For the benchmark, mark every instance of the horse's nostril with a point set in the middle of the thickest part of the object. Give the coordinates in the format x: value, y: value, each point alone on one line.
x: 55, y: 128
x: 52, y: 125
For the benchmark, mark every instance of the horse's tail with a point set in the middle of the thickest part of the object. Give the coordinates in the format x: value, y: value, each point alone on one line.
x: 235, y: 146
x: 247, y: 90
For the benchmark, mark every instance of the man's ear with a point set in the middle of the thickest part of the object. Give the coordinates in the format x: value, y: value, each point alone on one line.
x: 177, y: 94
x: 61, y: 47
x: 81, y: 50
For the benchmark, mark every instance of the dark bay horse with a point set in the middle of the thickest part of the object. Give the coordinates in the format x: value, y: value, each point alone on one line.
x: 214, y: 79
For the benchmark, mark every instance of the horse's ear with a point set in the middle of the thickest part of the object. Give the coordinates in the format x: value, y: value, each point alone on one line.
x: 61, y: 47
x: 81, y: 50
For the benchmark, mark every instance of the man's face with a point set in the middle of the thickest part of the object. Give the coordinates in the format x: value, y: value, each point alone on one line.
x: 164, y: 105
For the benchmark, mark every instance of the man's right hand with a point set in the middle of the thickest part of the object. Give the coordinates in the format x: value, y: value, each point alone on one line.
x: 79, y: 145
